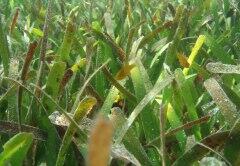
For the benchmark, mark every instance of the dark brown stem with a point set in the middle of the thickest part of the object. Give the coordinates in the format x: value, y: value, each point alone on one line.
x: 188, y: 125
x: 31, y: 50
x: 14, y: 20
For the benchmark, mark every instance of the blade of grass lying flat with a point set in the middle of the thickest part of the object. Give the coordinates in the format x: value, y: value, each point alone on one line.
x: 4, y: 49
x: 100, y: 143
x: 227, y: 108
x: 160, y: 85
x: 188, y: 99
x: 82, y: 110
x: 219, y: 67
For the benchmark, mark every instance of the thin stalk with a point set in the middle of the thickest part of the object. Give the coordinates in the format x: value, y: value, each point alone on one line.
x: 85, y: 85
x: 188, y: 125
x: 44, y: 42
x: 14, y: 21
x: 90, y: 90
x: 43, y: 49
x: 162, y: 134
x: 28, y: 59
x: 7, y: 93
x: 17, y: 83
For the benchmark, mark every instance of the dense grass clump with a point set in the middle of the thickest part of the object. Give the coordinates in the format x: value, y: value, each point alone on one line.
x: 124, y: 82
